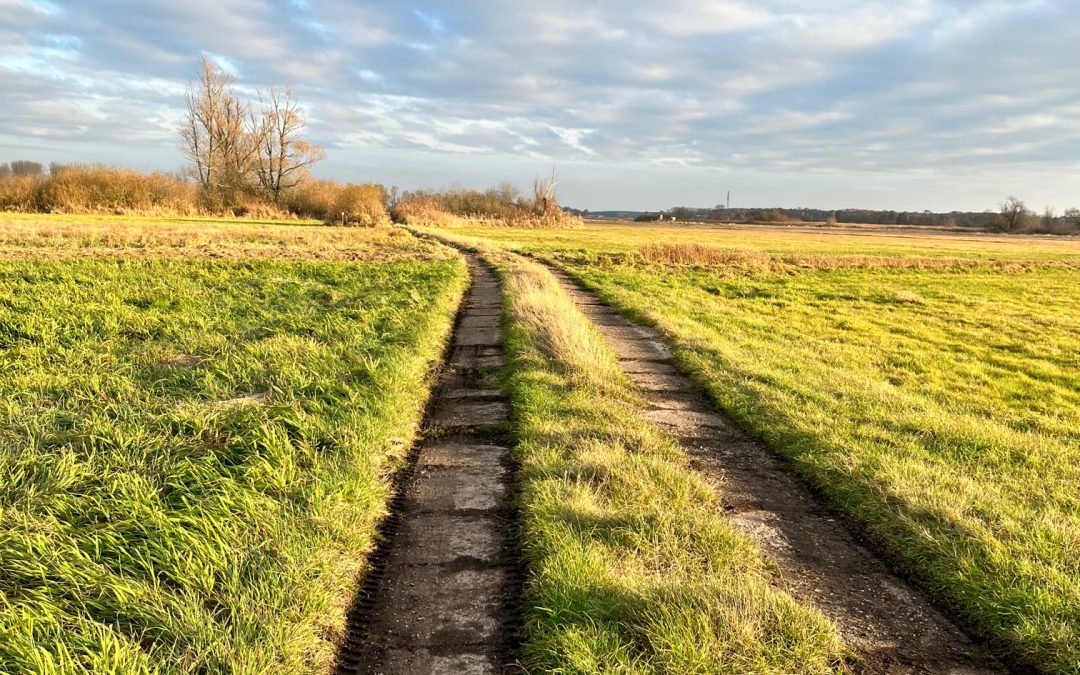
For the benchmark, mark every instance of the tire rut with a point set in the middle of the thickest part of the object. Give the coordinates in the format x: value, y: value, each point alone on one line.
x: 886, y: 620
x: 442, y: 595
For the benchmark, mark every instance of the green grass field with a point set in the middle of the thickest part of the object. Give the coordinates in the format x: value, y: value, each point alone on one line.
x: 195, y: 453
x: 199, y: 420
x: 939, y: 406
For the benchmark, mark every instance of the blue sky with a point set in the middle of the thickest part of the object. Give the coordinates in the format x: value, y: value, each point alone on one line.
x: 904, y: 104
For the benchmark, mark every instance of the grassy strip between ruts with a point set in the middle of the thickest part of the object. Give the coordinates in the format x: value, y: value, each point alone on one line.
x: 631, y: 566
x: 940, y: 407
x: 194, y: 454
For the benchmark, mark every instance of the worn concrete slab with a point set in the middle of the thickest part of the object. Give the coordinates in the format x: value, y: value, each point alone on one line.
x: 466, y: 337
x: 461, y: 452
x: 461, y: 606
x: 640, y: 348
x: 480, y: 321
x: 459, y: 488
x: 442, y: 538
x: 658, y: 382
x: 423, y: 660
x: 465, y: 393
x: 683, y: 421
x: 637, y: 366
x: 465, y: 413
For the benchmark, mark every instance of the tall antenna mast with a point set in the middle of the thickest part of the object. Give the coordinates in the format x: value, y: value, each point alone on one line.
x: 728, y: 200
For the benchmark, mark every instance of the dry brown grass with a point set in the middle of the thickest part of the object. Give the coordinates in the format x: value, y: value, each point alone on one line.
x: 97, y: 189
x: 78, y: 188
x: 747, y: 259
x: 542, y: 305
x: 71, y: 237
x: 561, y: 330
x: 423, y: 212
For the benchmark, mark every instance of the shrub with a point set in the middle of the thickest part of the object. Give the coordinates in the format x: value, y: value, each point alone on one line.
x: 23, y: 167
x: 503, y: 205
x: 314, y: 199
x: 96, y: 188
x: 364, y: 204
x: 21, y: 193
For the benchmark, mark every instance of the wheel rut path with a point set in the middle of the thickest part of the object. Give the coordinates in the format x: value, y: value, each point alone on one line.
x: 888, y: 622
x: 443, y: 592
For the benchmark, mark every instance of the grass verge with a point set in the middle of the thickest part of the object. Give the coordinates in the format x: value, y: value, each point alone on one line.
x: 194, y: 454
x: 631, y: 567
x: 938, y: 406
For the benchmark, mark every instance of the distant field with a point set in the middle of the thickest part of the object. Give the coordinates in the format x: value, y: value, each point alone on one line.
x: 939, y: 405
x: 194, y: 453
x: 36, y: 236
x: 783, y: 240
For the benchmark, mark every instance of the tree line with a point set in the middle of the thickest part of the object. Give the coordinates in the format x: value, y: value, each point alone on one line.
x: 1012, y: 215
x: 236, y: 151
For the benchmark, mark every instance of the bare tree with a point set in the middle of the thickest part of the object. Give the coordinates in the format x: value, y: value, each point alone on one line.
x: 1071, y: 218
x: 282, y: 157
x: 545, y: 194
x: 505, y: 192
x: 1049, y: 217
x: 5, y: 171
x: 1013, y: 215
x: 24, y: 167
x: 215, y: 137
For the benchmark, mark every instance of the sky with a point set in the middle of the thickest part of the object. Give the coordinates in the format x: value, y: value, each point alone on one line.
x: 898, y: 104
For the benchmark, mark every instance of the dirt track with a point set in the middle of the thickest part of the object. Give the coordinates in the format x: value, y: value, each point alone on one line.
x: 887, y: 621
x: 444, y: 590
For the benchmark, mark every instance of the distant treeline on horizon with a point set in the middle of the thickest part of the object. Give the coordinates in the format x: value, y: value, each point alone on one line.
x: 982, y: 220
x: 807, y: 215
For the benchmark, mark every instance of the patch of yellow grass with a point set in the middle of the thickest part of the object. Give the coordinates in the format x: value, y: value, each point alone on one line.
x: 685, y: 253
x: 22, y: 237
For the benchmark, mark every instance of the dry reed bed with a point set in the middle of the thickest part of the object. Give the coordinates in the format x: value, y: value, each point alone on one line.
x: 712, y: 256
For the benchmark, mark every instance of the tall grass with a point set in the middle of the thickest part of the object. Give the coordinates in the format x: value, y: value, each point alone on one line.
x: 740, y: 259
x: 194, y: 454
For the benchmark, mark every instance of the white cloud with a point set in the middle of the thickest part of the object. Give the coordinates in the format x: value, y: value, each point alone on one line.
x: 776, y: 88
